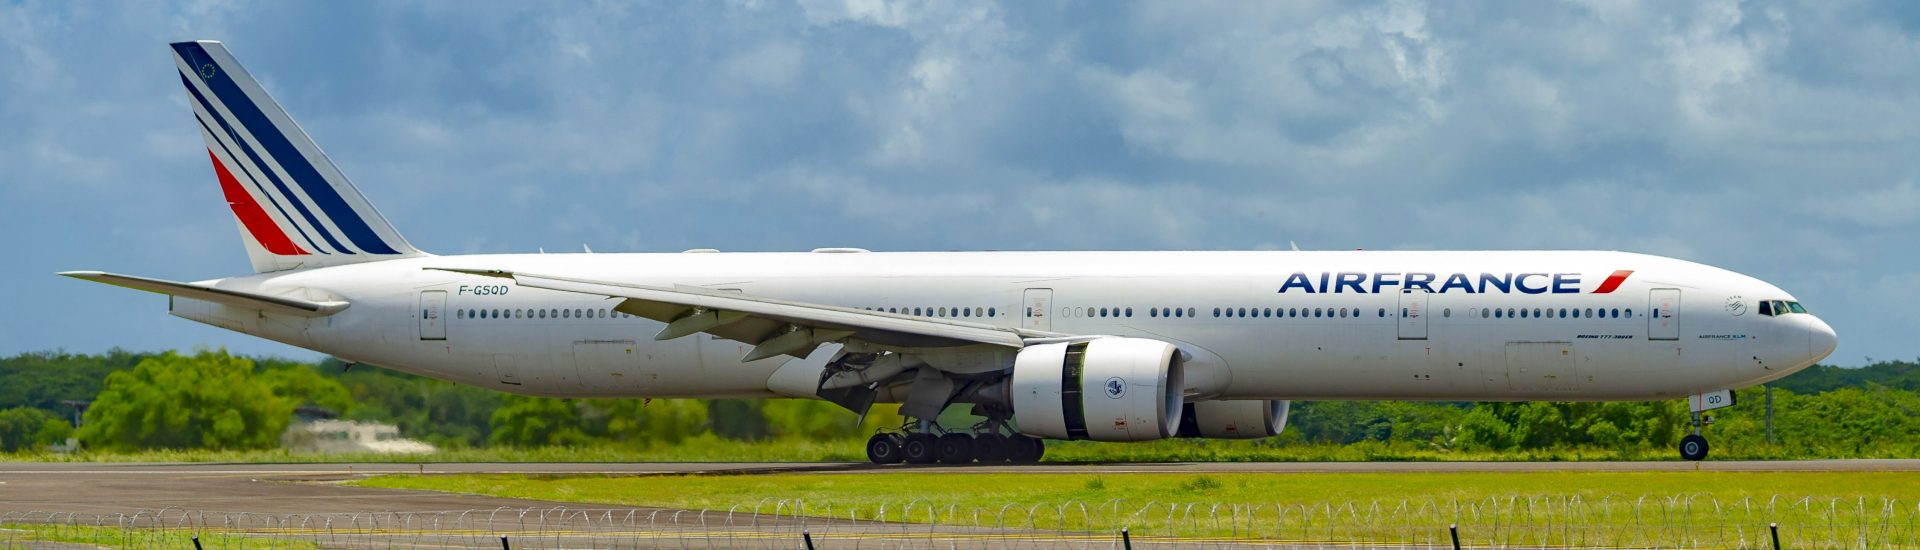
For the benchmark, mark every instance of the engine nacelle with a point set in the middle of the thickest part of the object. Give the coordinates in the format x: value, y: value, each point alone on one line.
x: 1108, y: 389
x: 1239, y: 419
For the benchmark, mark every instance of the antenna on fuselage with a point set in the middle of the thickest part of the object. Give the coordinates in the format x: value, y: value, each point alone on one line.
x: 1296, y: 248
x: 589, y: 249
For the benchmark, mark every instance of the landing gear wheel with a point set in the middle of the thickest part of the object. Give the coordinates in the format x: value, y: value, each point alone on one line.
x: 918, y: 449
x: 954, y: 448
x: 884, y: 449
x: 1693, y: 447
x: 1024, y: 450
x: 990, y: 448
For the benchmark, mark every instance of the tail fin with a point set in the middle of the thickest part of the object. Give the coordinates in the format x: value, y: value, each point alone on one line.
x: 294, y: 207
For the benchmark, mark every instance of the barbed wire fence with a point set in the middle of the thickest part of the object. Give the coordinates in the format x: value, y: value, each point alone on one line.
x: 1652, y: 521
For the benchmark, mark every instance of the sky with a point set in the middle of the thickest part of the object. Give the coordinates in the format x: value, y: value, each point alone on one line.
x: 1776, y: 139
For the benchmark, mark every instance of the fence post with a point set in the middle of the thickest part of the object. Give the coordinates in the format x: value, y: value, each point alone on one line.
x: 503, y: 543
x: 1775, y: 529
x: 1454, y: 529
x: 808, y: 537
x: 1126, y: 539
x: 196, y: 542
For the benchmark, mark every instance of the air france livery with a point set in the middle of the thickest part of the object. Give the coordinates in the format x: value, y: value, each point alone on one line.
x: 1103, y: 346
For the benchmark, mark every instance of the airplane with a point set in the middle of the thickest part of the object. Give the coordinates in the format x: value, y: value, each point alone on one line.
x: 1101, y: 346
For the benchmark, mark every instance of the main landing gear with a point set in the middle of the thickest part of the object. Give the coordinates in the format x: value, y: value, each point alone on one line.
x: 928, y: 443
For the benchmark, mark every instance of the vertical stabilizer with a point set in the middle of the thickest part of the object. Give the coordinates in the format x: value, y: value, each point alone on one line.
x: 294, y: 208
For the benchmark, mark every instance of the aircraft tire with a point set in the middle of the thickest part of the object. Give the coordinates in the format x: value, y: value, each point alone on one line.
x: 990, y: 448
x: 954, y: 448
x: 1024, y: 449
x: 1693, y: 447
x: 884, y: 449
x: 918, y: 449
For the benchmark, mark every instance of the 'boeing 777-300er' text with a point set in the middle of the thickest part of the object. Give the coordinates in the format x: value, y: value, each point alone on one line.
x: 1103, y: 346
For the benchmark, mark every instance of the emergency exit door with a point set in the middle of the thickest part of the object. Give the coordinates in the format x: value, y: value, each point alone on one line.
x: 1663, y: 314
x: 1413, y: 314
x: 433, y: 305
x: 1038, y: 300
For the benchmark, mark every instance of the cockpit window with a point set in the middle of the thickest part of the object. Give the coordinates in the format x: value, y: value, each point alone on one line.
x: 1774, y: 308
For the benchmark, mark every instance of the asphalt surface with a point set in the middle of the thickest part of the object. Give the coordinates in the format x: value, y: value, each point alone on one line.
x: 297, y: 500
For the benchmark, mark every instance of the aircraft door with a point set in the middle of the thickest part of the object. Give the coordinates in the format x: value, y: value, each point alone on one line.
x: 1663, y: 314
x: 1413, y: 314
x: 433, y: 306
x: 504, y: 367
x: 606, y: 365
x: 1036, y: 316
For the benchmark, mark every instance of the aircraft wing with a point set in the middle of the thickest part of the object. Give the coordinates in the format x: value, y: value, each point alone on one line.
x: 773, y: 326
x: 236, y: 298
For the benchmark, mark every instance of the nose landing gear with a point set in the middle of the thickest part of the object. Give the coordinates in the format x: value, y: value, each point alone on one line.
x: 1694, y: 446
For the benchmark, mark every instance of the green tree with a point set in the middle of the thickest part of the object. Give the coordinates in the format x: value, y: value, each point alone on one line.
x: 523, y: 421
x: 28, y: 428
x: 647, y: 422
x: 301, y: 385
x: 206, y: 400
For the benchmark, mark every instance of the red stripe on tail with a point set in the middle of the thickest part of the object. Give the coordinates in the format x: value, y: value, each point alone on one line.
x: 251, y: 215
x: 1613, y: 281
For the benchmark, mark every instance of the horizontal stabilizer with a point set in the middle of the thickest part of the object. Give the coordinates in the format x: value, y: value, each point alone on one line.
x: 236, y: 298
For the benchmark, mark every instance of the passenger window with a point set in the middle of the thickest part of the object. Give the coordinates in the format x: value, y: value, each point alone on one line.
x: 1536, y: 313
x: 1216, y: 312
x: 1448, y: 312
x: 1485, y: 314
x: 1510, y: 314
x: 1499, y: 314
x: 1316, y: 313
x: 1383, y: 313
x: 1523, y: 314
x: 1129, y: 313
x: 990, y: 312
x: 1627, y: 313
x: 1343, y: 313
x: 1177, y: 312
x: 1266, y: 312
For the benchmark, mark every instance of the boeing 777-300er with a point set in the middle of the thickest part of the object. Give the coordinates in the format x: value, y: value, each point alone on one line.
x: 1102, y: 346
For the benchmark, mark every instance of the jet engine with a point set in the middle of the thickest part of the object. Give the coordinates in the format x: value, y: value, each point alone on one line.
x: 1107, y: 389
x: 1238, y: 419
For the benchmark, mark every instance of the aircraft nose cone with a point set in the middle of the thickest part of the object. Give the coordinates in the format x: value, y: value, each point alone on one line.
x: 1820, y: 339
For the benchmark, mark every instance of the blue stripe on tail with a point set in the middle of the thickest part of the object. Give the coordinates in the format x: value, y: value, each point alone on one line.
x: 256, y: 182
x: 264, y: 169
x: 283, y: 151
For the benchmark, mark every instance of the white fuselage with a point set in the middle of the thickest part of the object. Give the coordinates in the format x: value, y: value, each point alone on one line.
x: 1393, y: 328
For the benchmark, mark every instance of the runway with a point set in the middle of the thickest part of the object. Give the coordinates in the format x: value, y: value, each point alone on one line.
x: 265, y: 499
x: 97, y: 488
